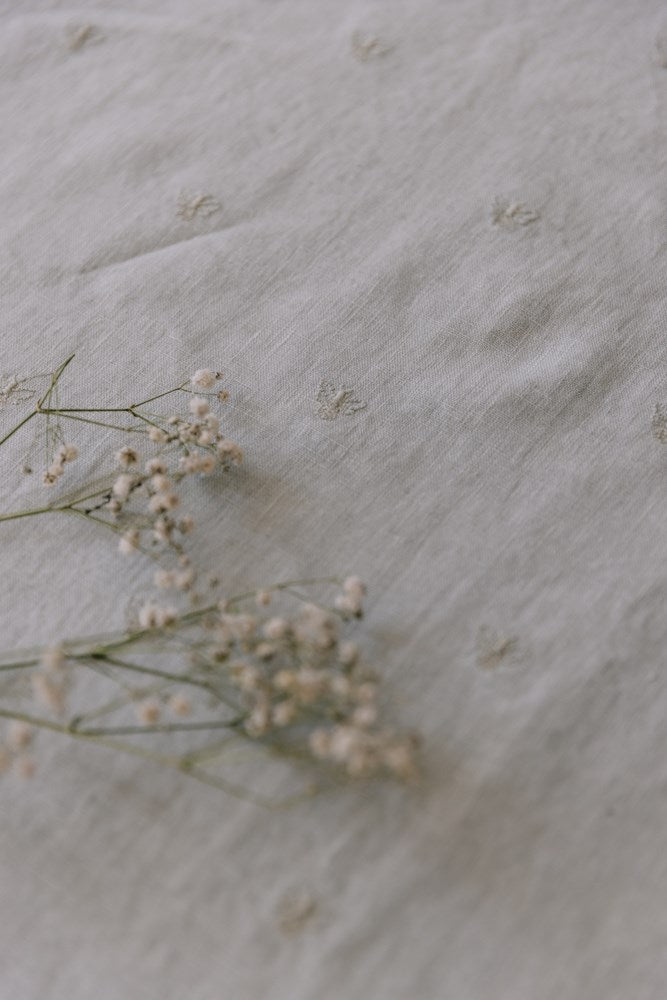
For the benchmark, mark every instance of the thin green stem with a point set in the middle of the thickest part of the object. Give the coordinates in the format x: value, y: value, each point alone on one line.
x: 30, y: 513
x: 91, y: 517
x: 154, y: 672
x: 160, y: 395
x: 62, y: 410
x: 18, y: 427
x: 98, y: 647
x: 98, y: 423
x: 166, y: 727
x: 146, y: 420
x: 54, y: 381
x: 241, y: 793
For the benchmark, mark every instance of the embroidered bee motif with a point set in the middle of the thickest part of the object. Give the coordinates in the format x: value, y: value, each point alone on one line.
x: 492, y: 648
x: 15, y: 390
x: 365, y: 46
x: 659, y: 424
x: 334, y: 401
x: 190, y: 206
x: 85, y: 34
x: 511, y: 214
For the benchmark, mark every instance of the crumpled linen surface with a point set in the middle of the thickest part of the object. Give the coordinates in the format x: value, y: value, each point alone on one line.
x: 452, y: 213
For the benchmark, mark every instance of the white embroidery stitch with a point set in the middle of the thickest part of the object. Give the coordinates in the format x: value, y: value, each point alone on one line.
x: 295, y: 910
x: 492, y: 648
x: 335, y: 400
x: 15, y: 390
x: 511, y: 214
x: 366, y: 46
x: 192, y: 205
x: 82, y: 35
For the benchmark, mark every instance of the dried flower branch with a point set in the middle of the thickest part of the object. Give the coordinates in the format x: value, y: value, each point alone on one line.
x: 247, y: 670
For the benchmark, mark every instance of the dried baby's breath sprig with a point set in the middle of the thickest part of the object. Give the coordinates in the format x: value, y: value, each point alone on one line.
x: 139, y: 502
x: 290, y: 684
x: 247, y: 670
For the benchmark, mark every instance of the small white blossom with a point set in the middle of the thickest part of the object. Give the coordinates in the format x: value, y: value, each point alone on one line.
x: 191, y: 464
x: 284, y: 713
x: 157, y: 435
x: 285, y: 680
x: 160, y: 482
x: 230, y: 451
x: 348, y: 653
x: 162, y: 529
x: 180, y: 704
x: 310, y: 685
x: 184, y: 579
x: 129, y: 541
x: 20, y: 735
x: 205, y: 378
x: 156, y: 467
x: 344, y: 741
x: 275, y: 628
x: 67, y: 453
x: 354, y: 587
x: 246, y: 676
x: 123, y: 485
x: 365, y: 716
x: 148, y: 712
x: 347, y: 605
x: 161, y: 502
x: 48, y: 692
x: 199, y: 406
x: 258, y: 721
x: 126, y: 457
x: 53, y: 658
x: 400, y: 758
x: 154, y: 616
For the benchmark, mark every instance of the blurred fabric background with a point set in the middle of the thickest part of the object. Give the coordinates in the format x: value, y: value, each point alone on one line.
x: 425, y: 241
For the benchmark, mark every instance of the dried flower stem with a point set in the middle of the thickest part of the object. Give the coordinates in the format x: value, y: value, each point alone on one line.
x: 285, y: 684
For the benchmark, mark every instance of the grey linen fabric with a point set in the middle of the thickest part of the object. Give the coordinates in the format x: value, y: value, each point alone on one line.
x: 425, y: 242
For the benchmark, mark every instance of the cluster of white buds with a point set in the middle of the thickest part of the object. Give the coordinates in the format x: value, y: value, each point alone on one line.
x: 204, y: 378
x: 293, y: 674
x: 65, y: 453
x: 350, y: 602
x: 201, y: 449
x: 363, y: 752
x: 294, y: 682
x: 153, y: 616
x: 152, y: 710
x: 127, y: 457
